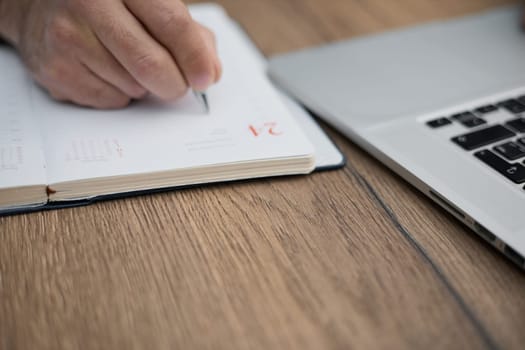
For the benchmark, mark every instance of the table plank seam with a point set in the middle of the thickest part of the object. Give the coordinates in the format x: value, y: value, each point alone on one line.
x: 477, y: 324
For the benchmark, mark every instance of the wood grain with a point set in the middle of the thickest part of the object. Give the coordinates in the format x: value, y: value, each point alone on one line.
x: 345, y: 259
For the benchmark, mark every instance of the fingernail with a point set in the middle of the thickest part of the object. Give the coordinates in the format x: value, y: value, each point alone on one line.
x: 200, y: 82
x: 218, y: 71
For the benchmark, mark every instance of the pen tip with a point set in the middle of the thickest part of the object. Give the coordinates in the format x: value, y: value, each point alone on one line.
x: 203, y: 99
x: 206, y: 104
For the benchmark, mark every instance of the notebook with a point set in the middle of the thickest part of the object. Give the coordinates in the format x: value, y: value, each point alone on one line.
x: 55, y: 155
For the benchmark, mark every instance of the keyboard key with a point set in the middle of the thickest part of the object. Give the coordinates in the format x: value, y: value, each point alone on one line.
x: 512, y: 106
x: 517, y: 124
x: 521, y: 141
x: 471, y: 123
x: 483, y: 137
x: 437, y: 123
x: 463, y: 116
x: 468, y: 119
x: 513, y: 172
x: 521, y: 99
x: 511, y: 150
x: 487, y: 109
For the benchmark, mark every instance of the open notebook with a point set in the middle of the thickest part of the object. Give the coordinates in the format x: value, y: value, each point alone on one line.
x: 55, y: 155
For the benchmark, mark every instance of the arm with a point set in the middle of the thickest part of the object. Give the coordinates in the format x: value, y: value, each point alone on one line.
x: 102, y: 53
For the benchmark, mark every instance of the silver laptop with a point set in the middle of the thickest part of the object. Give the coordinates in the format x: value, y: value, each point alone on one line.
x: 441, y: 104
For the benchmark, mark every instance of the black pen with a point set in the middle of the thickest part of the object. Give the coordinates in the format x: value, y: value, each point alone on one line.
x: 203, y: 99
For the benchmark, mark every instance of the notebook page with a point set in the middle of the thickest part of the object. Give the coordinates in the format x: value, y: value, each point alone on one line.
x: 327, y: 155
x: 247, y: 121
x: 21, y: 156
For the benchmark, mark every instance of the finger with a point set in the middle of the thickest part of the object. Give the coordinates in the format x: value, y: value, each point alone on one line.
x: 75, y: 83
x: 171, y: 24
x: 57, y: 95
x: 77, y: 50
x: 212, y: 39
x: 145, y: 59
x: 101, y: 63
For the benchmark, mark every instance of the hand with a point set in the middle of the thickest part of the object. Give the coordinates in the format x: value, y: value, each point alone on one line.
x: 103, y: 53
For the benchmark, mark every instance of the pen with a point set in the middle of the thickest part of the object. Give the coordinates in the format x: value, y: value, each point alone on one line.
x: 203, y: 99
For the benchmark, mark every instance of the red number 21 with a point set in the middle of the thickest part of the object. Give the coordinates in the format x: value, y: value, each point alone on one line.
x: 267, y: 128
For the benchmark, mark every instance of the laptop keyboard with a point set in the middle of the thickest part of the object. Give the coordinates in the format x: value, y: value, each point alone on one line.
x: 499, y: 145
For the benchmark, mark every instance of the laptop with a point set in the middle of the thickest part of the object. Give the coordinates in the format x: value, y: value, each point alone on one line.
x: 442, y: 104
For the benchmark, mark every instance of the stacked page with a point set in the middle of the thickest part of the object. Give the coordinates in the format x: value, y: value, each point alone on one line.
x: 52, y: 152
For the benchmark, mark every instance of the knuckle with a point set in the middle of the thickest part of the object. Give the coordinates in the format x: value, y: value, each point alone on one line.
x: 57, y: 96
x: 81, y: 5
x: 151, y: 66
x: 55, y: 70
x: 61, y: 32
x: 208, y: 33
x: 180, y: 21
x: 97, y: 94
x: 105, y: 98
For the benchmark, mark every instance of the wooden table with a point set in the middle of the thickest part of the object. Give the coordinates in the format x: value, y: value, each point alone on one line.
x: 349, y: 259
